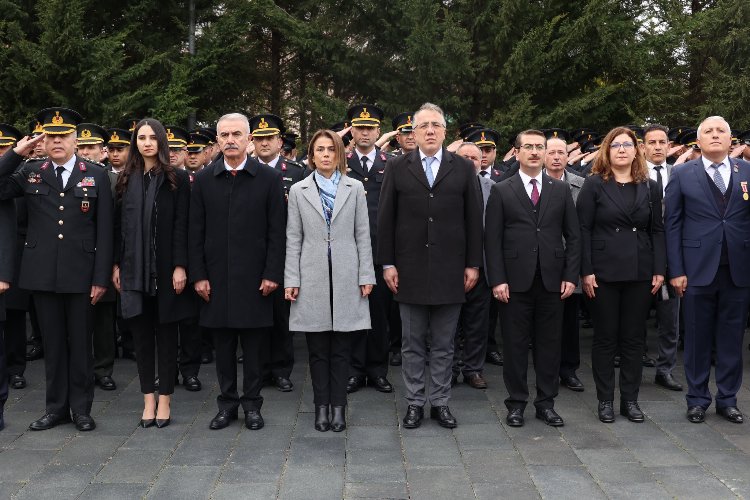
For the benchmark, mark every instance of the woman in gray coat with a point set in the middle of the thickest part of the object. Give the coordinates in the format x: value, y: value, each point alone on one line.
x: 329, y: 271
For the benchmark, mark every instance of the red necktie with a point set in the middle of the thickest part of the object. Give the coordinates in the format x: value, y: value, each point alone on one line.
x: 534, y: 192
x: 234, y: 173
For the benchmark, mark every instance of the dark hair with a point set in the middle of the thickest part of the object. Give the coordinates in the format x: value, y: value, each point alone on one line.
x: 531, y: 131
x: 136, y: 162
x: 338, y: 146
x: 603, y: 166
x: 653, y: 128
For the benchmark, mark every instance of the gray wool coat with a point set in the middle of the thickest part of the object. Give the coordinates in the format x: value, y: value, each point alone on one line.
x: 307, y: 258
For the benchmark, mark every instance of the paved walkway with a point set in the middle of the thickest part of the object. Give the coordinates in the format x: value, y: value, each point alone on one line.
x: 665, y: 457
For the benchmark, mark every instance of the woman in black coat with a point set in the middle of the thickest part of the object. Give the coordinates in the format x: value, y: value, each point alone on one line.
x: 151, y: 227
x: 623, y: 265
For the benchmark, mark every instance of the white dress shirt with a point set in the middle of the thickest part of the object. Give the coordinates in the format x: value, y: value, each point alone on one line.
x: 724, y: 169
x: 68, y: 166
x: 241, y: 167
x: 664, y: 175
x: 370, y: 157
x: 435, y: 164
x: 527, y: 182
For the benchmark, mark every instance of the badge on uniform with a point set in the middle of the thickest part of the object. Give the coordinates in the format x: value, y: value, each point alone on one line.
x: 82, y: 167
x: 283, y: 166
x: 736, y: 169
x: 743, y: 185
x: 288, y: 179
x: 349, y: 154
x: 383, y: 157
x: 85, y: 205
x: 87, y: 182
x: 44, y: 166
x: 381, y: 171
x: 34, y: 179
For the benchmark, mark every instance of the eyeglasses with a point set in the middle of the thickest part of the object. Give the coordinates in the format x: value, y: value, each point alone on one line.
x: 618, y: 145
x: 531, y: 147
x: 426, y: 125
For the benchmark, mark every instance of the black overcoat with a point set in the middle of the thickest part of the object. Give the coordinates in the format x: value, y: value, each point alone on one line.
x: 7, y: 248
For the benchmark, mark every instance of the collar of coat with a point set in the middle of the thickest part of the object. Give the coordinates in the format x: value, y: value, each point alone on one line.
x: 251, y: 167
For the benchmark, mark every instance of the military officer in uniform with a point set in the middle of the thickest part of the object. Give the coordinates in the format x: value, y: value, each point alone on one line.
x: 67, y: 258
x: 365, y: 163
x: 403, y: 125
x: 7, y: 274
x: 178, y: 139
x: 196, y: 153
x: 289, y: 146
x: 90, y: 142
x: 487, y: 139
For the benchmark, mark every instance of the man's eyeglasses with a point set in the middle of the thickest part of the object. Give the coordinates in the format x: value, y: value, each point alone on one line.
x: 426, y: 125
x: 618, y: 145
x: 531, y: 147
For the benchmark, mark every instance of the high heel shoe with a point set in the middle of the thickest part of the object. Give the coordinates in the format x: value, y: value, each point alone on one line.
x: 338, y: 420
x: 322, y: 423
x: 163, y: 422
x: 148, y: 422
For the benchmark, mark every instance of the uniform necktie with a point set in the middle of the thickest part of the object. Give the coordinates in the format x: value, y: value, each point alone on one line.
x: 428, y: 169
x: 534, y: 192
x: 364, y: 164
x: 718, y: 179
x: 659, y: 179
x: 60, y: 182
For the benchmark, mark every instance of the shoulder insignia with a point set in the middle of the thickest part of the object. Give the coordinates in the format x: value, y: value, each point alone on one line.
x: 496, y: 172
x: 283, y: 166
x: 81, y: 166
x: 349, y: 154
x: 45, y: 165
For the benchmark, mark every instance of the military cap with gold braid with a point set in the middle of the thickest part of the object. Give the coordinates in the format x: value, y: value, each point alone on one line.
x: 581, y: 135
x: 90, y: 134
x: 58, y: 121
x: 556, y: 133
x: 364, y: 115
x: 468, y: 128
x: 209, y: 132
x: 484, y: 137
x: 688, y: 137
x: 744, y: 137
x: 9, y: 135
x: 35, y: 126
x: 675, y: 132
x: 266, y: 125
x: 177, y: 136
x: 289, y: 141
x: 198, y: 142
x: 638, y: 131
x: 403, y: 123
x: 118, y: 137
x: 129, y: 124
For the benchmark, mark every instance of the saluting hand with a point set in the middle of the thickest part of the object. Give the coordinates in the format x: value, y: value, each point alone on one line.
x: 27, y: 144
x: 203, y: 289
x: 96, y: 293
x: 179, y: 279
x: 4, y: 286
x: 267, y: 287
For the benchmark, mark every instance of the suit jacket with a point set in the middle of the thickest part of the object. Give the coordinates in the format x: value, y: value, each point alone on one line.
x: 307, y: 258
x: 7, y: 249
x: 372, y: 180
x: 236, y: 239
x: 430, y: 234
x: 621, y: 243
x: 695, y: 229
x: 518, y: 235
x: 68, y: 245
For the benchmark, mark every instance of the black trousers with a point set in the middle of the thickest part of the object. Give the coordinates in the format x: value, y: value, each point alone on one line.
x: 473, y: 322
x: 15, y: 341
x: 66, y: 321
x: 618, y: 312
x: 3, y: 373
x: 278, y: 349
x: 104, y: 339
x: 191, y: 347
x: 532, y: 317
x: 225, y: 343
x: 570, y: 353
x: 328, y: 354
x: 370, y: 351
x: 152, y: 339
x: 492, y: 324
x: 207, y: 341
x: 36, y: 330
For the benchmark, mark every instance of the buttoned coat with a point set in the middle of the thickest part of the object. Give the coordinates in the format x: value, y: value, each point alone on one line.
x: 307, y: 258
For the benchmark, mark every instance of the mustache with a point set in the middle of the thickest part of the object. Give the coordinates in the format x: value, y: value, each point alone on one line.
x: 230, y: 146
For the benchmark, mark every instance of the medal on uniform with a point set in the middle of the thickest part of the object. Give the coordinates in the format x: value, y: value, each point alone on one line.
x: 81, y: 166
x: 743, y: 185
x: 85, y: 206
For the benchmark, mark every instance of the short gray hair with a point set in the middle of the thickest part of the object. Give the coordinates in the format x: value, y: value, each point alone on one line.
x: 428, y: 106
x: 235, y: 116
x: 467, y: 145
x: 720, y: 118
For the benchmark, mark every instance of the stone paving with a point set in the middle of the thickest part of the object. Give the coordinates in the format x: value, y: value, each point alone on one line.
x: 665, y: 457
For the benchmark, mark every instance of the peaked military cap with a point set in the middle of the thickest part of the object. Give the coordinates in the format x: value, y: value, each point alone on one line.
x: 592, y: 144
x: 638, y: 131
x: 675, y: 132
x: 209, y: 132
x: 176, y: 136
x: 58, y: 121
x: 744, y: 137
x: 581, y: 135
x: 9, y: 135
x: 484, y: 137
x: 35, y: 128
x: 265, y: 125
x: 289, y: 140
x: 365, y: 115
x: 556, y: 133
x: 688, y: 137
x: 403, y: 123
x: 198, y: 142
x: 468, y: 128
x: 118, y: 137
x: 130, y: 124
x: 90, y: 134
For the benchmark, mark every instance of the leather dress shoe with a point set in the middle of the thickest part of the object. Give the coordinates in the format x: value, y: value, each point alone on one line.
x: 192, y: 383
x: 84, y: 422
x: 573, y: 383
x: 36, y: 352
x: 631, y: 410
x: 380, y: 384
x: 668, y: 381
x: 731, y: 413
x: 355, y: 383
x: 494, y: 358
x: 223, y: 419
x: 17, y: 381
x: 49, y: 421
x: 606, y: 411
x: 476, y: 381
x: 283, y: 384
x: 107, y: 383
x: 648, y: 361
x: 550, y: 417
x: 413, y: 417
x: 514, y: 417
x: 322, y: 422
x: 254, y: 420
x: 163, y: 422
x: 147, y: 422
x: 338, y: 418
x: 207, y: 357
x: 696, y: 414
x: 444, y: 417
x: 396, y: 359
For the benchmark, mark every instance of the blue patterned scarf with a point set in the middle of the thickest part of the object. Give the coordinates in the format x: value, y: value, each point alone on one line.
x: 327, y: 189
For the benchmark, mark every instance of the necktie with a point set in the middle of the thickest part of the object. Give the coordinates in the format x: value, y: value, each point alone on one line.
x: 428, y: 169
x: 60, y: 182
x: 718, y: 179
x: 234, y: 172
x: 659, y: 179
x: 483, y: 173
x: 364, y: 164
x: 534, y: 192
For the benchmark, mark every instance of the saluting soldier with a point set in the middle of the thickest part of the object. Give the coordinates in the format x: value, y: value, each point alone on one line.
x: 365, y: 163
x: 278, y: 351
x: 67, y: 258
x: 289, y: 146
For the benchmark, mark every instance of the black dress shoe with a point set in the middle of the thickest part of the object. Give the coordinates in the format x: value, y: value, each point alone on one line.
x: 573, y: 383
x: 223, y: 419
x: 443, y: 415
x: 192, y: 383
x: 206, y: 358
x: 49, y: 421
x: 413, y: 417
x: 283, y: 384
x: 380, y: 384
x: 550, y: 417
x: 606, y: 410
x: 696, y: 414
x: 648, y: 361
x: 731, y: 413
x: 494, y: 358
x: 106, y: 383
x: 36, y: 352
x: 338, y: 418
x: 355, y: 383
x: 163, y: 422
x: 241, y: 359
x: 17, y: 381
x: 514, y: 417
x: 147, y: 422
x: 631, y: 410
x: 396, y: 359
x: 476, y: 380
x: 668, y: 381
x: 322, y: 422
x: 254, y: 420
x: 84, y: 423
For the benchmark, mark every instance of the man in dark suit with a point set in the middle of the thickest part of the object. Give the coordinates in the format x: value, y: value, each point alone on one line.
x: 7, y: 268
x: 531, y: 273
x: 430, y: 246
x: 237, y: 243
x: 707, y: 222
x: 67, y: 258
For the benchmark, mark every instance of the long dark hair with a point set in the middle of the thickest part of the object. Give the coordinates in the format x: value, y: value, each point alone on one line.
x: 136, y: 163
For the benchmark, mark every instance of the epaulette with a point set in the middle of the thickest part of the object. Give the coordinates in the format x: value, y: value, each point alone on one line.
x: 92, y: 162
x: 36, y: 158
x: 295, y: 163
x: 384, y: 155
